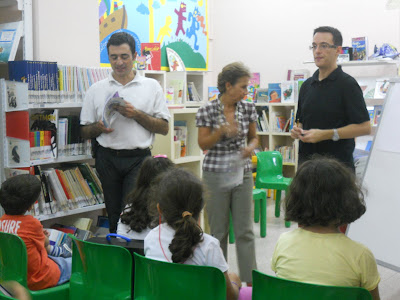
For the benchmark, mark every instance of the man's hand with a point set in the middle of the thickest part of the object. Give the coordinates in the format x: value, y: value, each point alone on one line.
x: 102, y: 128
x: 296, y: 132
x: 128, y: 111
x: 313, y: 136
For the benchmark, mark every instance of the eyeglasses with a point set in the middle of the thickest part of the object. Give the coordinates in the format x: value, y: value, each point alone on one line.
x: 323, y: 46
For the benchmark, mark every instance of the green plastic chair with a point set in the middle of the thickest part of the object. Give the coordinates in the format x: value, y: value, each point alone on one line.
x: 14, y: 266
x: 159, y: 280
x: 260, y: 209
x: 260, y: 201
x: 267, y: 287
x: 269, y: 176
x: 100, y: 271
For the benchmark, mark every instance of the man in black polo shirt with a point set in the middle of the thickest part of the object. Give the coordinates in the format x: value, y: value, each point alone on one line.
x: 331, y: 110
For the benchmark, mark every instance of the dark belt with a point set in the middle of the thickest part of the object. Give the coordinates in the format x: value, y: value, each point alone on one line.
x: 127, y: 153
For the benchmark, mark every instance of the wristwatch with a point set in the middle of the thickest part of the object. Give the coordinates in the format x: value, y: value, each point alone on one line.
x: 335, y: 136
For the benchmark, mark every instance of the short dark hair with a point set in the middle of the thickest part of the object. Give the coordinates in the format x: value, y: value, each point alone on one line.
x: 136, y: 214
x: 231, y: 73
x: 337, y: 36
x: 18, y: 193
x: 120, y: 38
x: 323, y: 192
x: 180, y: 191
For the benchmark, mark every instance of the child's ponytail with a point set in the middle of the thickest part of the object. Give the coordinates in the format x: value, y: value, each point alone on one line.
x: 179, y: 195
x: 187, y: 235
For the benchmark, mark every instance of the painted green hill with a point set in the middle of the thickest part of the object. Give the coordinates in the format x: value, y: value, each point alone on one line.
x: 189, y: 57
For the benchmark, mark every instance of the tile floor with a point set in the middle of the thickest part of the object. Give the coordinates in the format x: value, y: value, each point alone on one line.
x: 389, y: 286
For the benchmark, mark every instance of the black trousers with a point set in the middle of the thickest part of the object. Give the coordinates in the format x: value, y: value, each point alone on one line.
x: 117, y: 171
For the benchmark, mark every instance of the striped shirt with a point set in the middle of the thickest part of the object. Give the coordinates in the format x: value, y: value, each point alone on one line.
x: 211, y: 115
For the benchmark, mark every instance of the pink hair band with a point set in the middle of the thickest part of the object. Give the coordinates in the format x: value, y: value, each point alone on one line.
x: 160, y: 155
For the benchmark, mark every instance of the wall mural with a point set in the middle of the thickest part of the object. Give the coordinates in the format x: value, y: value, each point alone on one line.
x: 179, y: 25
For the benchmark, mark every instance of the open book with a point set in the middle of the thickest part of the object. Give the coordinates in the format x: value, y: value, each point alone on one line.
x: 110, y: 108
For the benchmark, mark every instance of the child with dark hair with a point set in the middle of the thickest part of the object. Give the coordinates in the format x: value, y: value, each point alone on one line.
x: 179, y: 238
x: 17, y: 196
x: 135, y: 221
x: 324, y: 195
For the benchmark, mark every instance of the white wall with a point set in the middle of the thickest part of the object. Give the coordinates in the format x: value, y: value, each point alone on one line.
x: 271, y: 37
x: 268, y: 36
x: 66, y: 31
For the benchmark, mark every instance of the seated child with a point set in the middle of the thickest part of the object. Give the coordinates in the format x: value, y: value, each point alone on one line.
x: 323, y: 196
x: 179, y: 238
x: 17, y: 196
x: 135, y: 222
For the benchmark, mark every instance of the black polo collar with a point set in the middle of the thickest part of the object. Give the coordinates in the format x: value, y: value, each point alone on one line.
x: 333, y: 76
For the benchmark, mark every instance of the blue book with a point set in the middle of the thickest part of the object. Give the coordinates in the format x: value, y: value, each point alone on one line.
x: 274, y: 92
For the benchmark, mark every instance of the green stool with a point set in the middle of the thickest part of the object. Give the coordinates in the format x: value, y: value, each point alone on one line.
x: 260, y: 202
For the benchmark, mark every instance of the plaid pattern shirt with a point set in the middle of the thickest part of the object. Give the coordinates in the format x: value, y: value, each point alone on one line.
x: 211, y: 115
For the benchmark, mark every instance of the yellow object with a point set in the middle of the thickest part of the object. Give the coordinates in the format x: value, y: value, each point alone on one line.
x: 328, y: 259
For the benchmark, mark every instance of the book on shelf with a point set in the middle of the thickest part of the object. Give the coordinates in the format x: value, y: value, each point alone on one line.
x: 52, y: 83
x: 274, y: 92
x: 261, y: 95
x: 293, y: 75
x: 17, y: 139
x: 110, y: 108
x: 213, y: 93
x: 360, y: 48
x: 193, y: 94
x: 367, y: 86
x: 381, y: 88
x: 43, y: 134
x: 287, y: 152
x: 65, y: 189
x: 83, y: 223
x: 175, y: 90
x: 180, y: 135
x: 287, y: 91
x: 297, y: 86
x: 152, y: 53
x: 14, y: 94
x: 10, y: 35
x: 377, y: 114
x: 254, y: 84
x: 140, y: 62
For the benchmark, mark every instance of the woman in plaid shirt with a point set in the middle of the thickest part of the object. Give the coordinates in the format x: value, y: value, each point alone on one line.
x: 227, y: 129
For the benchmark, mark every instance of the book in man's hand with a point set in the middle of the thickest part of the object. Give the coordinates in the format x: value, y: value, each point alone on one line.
x: 110, y: 108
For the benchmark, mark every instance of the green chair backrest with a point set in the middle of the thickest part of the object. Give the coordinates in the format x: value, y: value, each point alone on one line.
x: 273, y: 288
x: 100, y: 271
x: 158, y: 280
x: 269, y: 164
x: 13, y: 258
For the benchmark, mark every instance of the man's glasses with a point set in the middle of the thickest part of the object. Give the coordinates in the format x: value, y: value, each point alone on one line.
x: 323, y: 46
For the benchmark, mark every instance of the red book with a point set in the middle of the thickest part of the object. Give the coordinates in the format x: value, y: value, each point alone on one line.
x: 47, y: 138
x: 32, y: 139
x: 152, y: 52
x: 17, y: 124
x: 63, y: 185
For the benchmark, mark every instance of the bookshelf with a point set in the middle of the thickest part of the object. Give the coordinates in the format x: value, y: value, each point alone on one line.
x: 79, y: 197
x: 182, y: 111
x: 274, y: 139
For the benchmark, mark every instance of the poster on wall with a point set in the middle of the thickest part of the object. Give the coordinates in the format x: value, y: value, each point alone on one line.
x: 179, y: 25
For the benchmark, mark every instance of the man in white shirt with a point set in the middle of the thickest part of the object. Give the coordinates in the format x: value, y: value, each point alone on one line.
x: 125, y: 143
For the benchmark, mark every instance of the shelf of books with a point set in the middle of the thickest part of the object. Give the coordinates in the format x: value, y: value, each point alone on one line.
x: 41, y: 135
x: 181, y: 88
x: 276, y: 108
x: 180, y: 144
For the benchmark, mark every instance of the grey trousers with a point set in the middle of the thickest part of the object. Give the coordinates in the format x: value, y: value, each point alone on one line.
x: 238, y: 200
